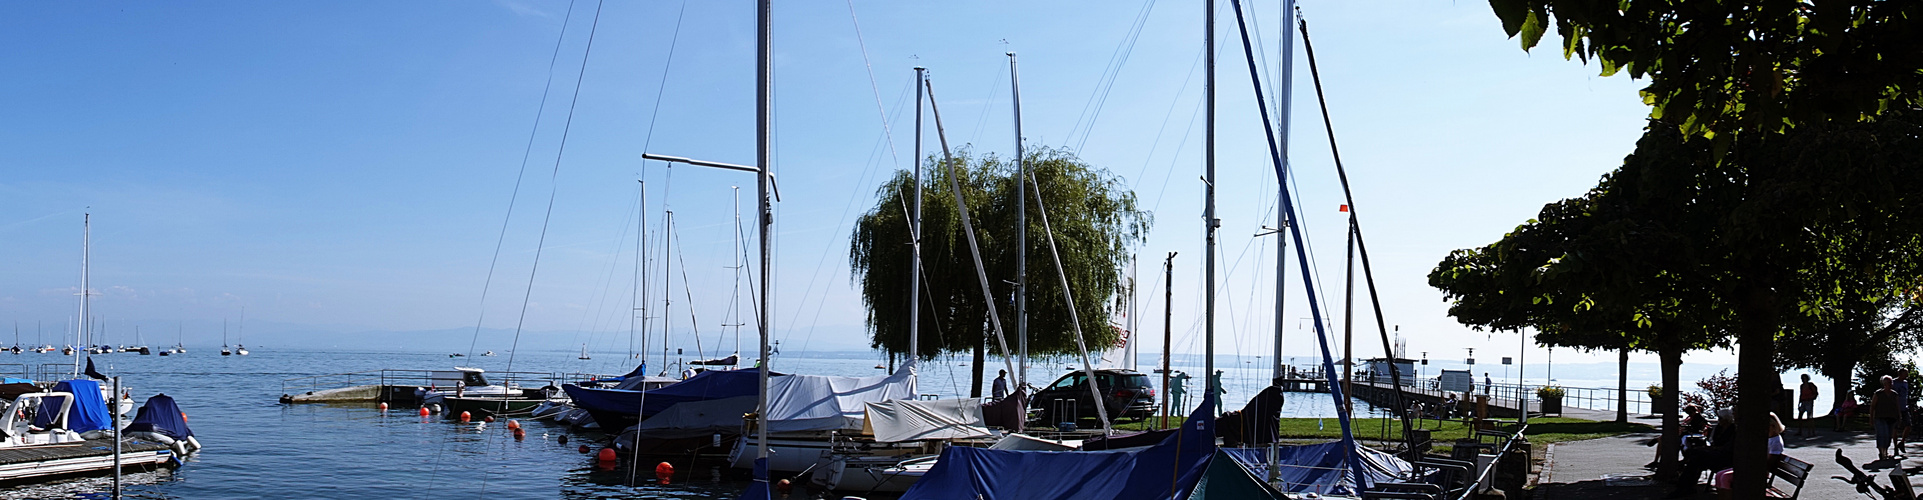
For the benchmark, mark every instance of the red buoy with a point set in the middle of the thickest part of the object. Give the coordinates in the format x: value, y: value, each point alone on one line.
x: 520, y: 434
x: 784, y: 487
x: 465, y: 417
x: 584, y: 448
x: 663, y: 472
x: 423, y: 411
x: 489, y: 418
x: 514, y: 425
x: 383, y: 407
x: 606, y: 456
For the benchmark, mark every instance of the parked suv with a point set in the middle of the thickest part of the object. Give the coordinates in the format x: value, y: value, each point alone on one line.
x: 1127, y: 394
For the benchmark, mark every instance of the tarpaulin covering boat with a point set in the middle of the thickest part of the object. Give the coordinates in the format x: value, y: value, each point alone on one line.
x: 618, y: 408
x: 818, y: 403
x: 89, y: 411
x: 1320, y: 468
x: 1167, y: 470
x: 906, y: 420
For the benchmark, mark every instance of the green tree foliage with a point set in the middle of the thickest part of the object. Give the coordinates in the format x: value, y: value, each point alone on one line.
x: 1716, y: 68
x: 1095, y: 220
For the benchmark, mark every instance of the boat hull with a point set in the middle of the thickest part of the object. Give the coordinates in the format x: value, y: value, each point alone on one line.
x: 490, y: 406
x: 36, y: 463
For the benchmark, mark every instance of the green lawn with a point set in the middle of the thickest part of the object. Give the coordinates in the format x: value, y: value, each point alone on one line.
x: 1541, y: 430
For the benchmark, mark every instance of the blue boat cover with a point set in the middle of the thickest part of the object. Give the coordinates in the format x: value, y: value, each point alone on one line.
x: 1319, y: 468
x: 711, y: 384
x: 160, y: 415
x: 758, y: 490
x: 1167, y: 470
x: 1228, y: 479
x: 89, y: 411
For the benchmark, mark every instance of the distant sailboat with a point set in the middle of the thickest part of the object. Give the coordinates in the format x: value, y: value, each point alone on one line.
x: 584, y: 352
x: 224, y: 350
x: 180, y: 342
x: 239, y: 333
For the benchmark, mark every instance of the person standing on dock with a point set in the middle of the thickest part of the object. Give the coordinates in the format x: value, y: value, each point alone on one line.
x: 1001, y: 385
x: 1486, y: 383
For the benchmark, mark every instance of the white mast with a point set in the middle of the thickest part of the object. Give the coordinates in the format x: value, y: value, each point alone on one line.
x: 1282, y: 183
x: 86, y: 242
x: 1021, y: 229
x: 1209, y: 222
x: 764, y: 104
x: 914, y: 233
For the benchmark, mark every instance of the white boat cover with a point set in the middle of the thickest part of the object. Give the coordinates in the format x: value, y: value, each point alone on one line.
x: 1024, y: 442
x: 820, y: 403
x: 906, y: 420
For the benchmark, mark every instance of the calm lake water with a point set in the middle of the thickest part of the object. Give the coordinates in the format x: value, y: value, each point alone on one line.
x: 256, y: 447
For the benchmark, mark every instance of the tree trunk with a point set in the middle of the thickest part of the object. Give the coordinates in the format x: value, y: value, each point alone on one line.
x: 981, y: 357
x: 1756, y: 382
x: 1622, y: 383
x: 1672, y: 360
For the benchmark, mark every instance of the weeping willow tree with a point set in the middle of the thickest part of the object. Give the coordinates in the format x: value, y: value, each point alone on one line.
x: 1095, y: 220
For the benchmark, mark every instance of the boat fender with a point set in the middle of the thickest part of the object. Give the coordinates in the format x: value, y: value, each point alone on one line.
x: 192, y: 444
x: 663, y: 472
x: 514, y: 425
x: 153, y: 436
x: 488, y: 419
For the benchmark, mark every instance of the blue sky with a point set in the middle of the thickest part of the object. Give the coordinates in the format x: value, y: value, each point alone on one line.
x: 343, y: 168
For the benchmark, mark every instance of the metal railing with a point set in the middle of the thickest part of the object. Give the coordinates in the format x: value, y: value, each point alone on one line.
x: 1514, y: 395
x: 426, y: 378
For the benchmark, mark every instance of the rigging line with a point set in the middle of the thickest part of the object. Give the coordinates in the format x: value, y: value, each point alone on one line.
x: 1176, y: 157
x: 592, y: 320
x: 820, y: 262
x: 1355, y: 229
x: 1110, y: 86
x: 688, y: 291
x: 1315, y: 308
x: 554, y: 188
x: 525, y: 154
x: 1157, y: 143
x: 662, y: 89
x: 1068, y: 299
x: 988, y: 104
x: 968, y: 229
x: 886, y: 131
x: 1109, y: 72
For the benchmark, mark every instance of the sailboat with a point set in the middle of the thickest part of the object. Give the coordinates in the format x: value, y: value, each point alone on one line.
x: 180, y: 341
x: 241, y: 348
x: 584, y: 352
x: 224, y: 350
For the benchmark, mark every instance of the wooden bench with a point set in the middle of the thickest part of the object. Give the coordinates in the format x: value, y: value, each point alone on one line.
x: 1792, y: 471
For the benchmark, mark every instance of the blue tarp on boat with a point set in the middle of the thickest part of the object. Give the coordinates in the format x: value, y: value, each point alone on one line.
x: 89, y: 411
x: 1227, y: 479
x: 1167, y: 470
x: 1319, y: 468
x: 160, y: 415
x: 712, y: 384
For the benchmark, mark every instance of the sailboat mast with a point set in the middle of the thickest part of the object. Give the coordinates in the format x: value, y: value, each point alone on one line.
x: 1209, y: 222
x: 764, y: 104
x: 738, y: 264
x: 86, y: 242
x: 914, y: 233
x: 1282, y: 183
x: 636, y: 304
x: 1168, y: 329
x: 667, y: 286
x: 1021, y: 229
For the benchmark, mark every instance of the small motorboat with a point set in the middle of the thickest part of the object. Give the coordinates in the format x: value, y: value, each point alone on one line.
x: 240, y: 350
x: 456, y: 355
x: 489, y: 353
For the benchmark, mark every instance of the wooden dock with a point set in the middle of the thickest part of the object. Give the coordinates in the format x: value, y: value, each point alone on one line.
x: 1382, y: 394
x: 35, y: 463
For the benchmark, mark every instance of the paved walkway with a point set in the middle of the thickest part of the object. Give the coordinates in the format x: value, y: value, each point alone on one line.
x: 1578, y: 470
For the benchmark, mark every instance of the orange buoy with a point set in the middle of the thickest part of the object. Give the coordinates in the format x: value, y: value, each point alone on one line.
x: 183, y: 416
x: 520, y: 434
x: 489, y: 418
x: 584, y: 448
x: 784, y: 487
x: 514, y: 425
x: 423, y: 411
x: 663, y: 472
x: 465, y: 417
x: 606, y: 455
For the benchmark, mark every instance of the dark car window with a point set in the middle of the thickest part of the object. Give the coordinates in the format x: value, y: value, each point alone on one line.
x: 1136, y: 380
x: 1069, y: 381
